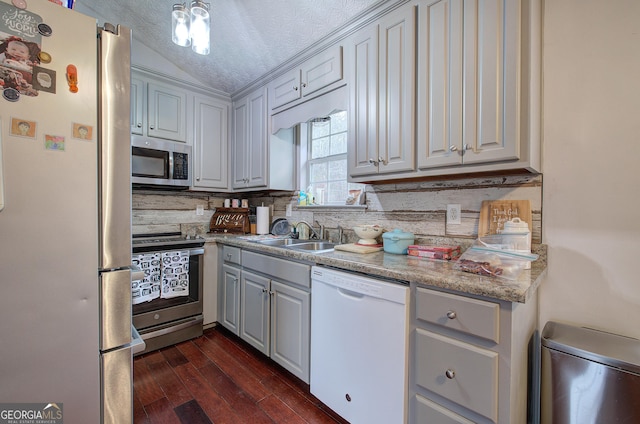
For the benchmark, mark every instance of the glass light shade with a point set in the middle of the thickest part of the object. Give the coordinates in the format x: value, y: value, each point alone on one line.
x: 180, y: 23
x: 200, y: 25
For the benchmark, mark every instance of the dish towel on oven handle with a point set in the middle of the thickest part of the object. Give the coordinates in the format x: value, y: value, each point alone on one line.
x: 147, y: 289
x: 175, y: 274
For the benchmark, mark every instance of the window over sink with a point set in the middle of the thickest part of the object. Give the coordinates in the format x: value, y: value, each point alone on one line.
x: 324, y: 162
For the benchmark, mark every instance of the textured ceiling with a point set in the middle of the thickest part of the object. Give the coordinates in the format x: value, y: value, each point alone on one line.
x: 248, y: 37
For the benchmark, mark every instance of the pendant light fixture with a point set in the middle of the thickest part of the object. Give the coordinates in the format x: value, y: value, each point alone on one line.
x: 191, y: 27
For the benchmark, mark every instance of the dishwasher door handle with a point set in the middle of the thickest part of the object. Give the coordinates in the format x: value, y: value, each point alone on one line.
x: 349, y: 293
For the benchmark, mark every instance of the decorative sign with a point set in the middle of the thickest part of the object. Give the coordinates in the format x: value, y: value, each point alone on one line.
x: 230, y: 220
x: 20, y: 45
x: 494, y: 213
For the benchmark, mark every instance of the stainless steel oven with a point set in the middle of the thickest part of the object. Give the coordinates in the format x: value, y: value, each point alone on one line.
x: 167, y: 303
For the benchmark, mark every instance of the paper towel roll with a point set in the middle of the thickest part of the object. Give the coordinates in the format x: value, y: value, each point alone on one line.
x: 262, y: 220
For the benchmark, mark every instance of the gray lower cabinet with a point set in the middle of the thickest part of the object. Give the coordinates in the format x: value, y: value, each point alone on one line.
x: 275, y: 310
x: 229, y: 294
x: 470, y: 359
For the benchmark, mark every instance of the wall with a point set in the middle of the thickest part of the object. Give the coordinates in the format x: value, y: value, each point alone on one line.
x: 591, y: 150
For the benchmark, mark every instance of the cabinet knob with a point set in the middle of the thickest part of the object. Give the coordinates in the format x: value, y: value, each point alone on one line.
x: 139, y: 125
x: 451, y: 374
x: 295, y: 88
x: 304, y: 85
x: 467, y: 147
x: 382, y: 161
x: 151, y: 127
x: 373, y: 161
x: 264, y: 290
x: 452, y: 315
x: 453, y: 148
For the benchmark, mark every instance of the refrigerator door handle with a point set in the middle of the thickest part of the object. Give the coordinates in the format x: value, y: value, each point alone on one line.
x: 115, y: 309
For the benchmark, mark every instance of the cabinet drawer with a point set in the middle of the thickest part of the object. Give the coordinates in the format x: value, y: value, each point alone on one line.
x: 428, y: 411
x: 470, y: 316
x: 281, y: 269
x: 232, y: 254
x: 458, y: 371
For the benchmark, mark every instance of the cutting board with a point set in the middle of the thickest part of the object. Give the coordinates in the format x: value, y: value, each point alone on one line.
x: 494, y: 213
x: 358, y: 248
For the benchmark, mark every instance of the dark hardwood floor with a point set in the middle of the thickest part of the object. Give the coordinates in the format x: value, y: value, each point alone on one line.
x: 217, y: 378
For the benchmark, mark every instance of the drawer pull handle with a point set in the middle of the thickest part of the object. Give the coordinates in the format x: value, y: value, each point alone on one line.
x: 264, y: 290
x: 229, y: 255
x: 452, y: 315
x: 451, y: 374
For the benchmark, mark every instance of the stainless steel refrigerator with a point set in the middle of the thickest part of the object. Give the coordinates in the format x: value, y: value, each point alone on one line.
x: 65, y: 221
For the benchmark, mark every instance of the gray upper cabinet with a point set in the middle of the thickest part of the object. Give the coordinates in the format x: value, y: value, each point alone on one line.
x: 166, y: 112
x: 478, y: 86
x: 307, y: 80
x: 381, y: 75
x: 210, y: 143
x: 250, y: 143
x: 138, y: 91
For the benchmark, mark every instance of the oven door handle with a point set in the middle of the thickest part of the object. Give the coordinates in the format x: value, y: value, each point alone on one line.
x: 167, y: 330
x: 198, y: 251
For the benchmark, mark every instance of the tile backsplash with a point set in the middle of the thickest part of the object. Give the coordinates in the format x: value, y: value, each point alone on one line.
x: 417, y: 207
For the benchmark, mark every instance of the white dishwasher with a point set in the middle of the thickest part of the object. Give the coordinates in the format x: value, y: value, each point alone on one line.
x: 359, y: 337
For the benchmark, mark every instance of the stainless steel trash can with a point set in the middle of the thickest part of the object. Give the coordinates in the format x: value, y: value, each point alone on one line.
x: 588, y: 376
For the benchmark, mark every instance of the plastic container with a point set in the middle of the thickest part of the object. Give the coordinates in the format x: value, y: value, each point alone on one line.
x: 397, y: 241
x: 516, y: 233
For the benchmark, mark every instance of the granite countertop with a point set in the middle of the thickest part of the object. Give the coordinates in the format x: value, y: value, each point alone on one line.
x: 409, y: 269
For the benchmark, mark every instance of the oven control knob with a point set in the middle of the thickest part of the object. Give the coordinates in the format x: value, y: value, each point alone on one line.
x: 156, y: 316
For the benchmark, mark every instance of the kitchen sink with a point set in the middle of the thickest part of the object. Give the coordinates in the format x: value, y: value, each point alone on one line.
x: 313, y: 246
x: 282, y: 242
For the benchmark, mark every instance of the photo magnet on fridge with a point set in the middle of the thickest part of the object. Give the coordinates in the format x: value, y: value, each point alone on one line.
x: 44, y: 79
x: 20, y: 45
x: 82, y: 131
x: 23, y: 128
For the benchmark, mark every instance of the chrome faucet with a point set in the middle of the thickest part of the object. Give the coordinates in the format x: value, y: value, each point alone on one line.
x: 321, y: 229
x: 314, y: 234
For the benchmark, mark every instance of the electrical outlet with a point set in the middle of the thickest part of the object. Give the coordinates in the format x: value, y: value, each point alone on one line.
x: 453, y: 214
x: 288, y: 210
x: 199, y: 209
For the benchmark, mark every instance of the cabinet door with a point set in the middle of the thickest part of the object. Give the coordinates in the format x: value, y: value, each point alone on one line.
x: 285, y: 88
x: 254, y: 308
x: 250, y: 140
x: 491, y: 78
x: 396, y: 91
x: 290, y: 326
x: 210, y: 288
x: 361, y: 51
x: 257, y: 140
x: 210, y: 140
x: 137, y: 105
x: 321, y: 70
x: 167, y: 112
x: 439, y: 111
x: 230, y: 302
x: 240, y: 142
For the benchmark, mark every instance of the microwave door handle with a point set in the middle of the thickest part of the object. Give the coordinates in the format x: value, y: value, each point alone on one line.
x: 171, y: 164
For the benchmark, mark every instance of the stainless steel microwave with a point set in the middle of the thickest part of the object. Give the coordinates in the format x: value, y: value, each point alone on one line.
x: 160, y: 163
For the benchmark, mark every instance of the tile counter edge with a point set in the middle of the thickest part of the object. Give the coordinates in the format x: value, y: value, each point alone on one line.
x: 437, y: 274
